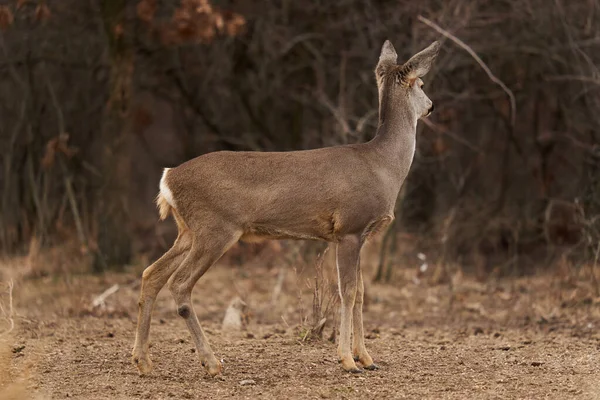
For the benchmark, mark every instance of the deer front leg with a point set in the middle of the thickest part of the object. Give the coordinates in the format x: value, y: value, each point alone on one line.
x: 348, y: 250
x: 358, y: 339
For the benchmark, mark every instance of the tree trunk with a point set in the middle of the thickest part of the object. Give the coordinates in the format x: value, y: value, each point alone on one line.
x: 114, y: 243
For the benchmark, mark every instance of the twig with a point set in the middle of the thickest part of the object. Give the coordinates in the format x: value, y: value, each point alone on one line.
x: 59, y: 114
x: 296, y: 40
x: 335, y: 111
x: 36, y: 197
x: 594, y: 265
x: 99, y: 300
x: 67, y: 179
x: 443, y: 131
x: 586, y: 79
x: 360, y: 125
x: 278, y: 285
x: 493, y: 78
x: 75, y: 210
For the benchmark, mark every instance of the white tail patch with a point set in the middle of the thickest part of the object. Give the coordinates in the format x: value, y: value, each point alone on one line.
x: 164, y: 200
x: 164, y: 189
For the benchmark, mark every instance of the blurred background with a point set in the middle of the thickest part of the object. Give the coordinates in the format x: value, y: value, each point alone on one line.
x: 99, y: 96
x: 487, y: 282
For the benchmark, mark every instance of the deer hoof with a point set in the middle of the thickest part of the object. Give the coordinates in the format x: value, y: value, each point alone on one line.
x: 213, y: 368
x: 372, y: 367
x: 143, y: 364
x: 356, y: 371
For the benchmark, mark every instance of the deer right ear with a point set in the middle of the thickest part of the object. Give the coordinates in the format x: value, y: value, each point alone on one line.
x: 388, y: 58
x: 420, y: 63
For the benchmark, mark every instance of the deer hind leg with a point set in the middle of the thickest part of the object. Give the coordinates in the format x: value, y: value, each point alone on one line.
x: 153, y: 279
x: 348, y: 251
x: 208, y: 246
x: 358, y: 339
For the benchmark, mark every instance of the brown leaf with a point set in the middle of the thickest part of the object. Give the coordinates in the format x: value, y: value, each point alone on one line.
x: 6, y: 18
x: 219, y: 22
x: 20, y: 3
x: 235, y: 24
x: 146, y: 10
x: 56, y: 145
x: 42, y: 13
x: 142, y: 119
x: 49, y: 155
x: 118, y: 30
x: 439, y: 146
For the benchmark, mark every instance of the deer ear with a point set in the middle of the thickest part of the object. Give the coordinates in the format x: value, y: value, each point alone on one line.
x: 387, y: 58
x: 420, y: 63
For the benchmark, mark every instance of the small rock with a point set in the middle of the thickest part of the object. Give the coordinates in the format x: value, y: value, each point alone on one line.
x: 497, y: 334
x: 250, y: 335
x: 110, y: 334
x: 161, y: 321
x: 18, y: 349
x: 372, y: 335
x: 504, y: 348
x: 477, y: 331
x: 536, y: 363
x: 247, y: 382
x: 234, y: 315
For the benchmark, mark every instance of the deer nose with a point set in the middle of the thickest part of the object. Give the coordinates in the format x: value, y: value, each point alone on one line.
x: 431, y: 108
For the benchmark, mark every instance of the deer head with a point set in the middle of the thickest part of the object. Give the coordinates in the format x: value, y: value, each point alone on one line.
x: 400, y: 85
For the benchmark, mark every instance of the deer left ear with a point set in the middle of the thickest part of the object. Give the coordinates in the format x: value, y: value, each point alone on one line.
x: 420, y: 63
x: 387, y: 59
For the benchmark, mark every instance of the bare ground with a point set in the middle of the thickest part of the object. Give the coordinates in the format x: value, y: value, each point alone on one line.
x: 525, y: 338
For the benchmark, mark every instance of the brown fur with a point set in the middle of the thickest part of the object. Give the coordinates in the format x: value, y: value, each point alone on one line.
x: 342, y: 194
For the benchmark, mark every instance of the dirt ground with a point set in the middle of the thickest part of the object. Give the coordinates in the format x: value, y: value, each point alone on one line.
x: 526, y: 338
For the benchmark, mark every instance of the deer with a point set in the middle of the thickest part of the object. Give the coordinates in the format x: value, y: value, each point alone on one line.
x: 341, y: 194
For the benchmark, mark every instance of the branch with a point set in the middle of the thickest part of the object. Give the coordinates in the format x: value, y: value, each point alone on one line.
x: 493, y: 78
x: 586, y: 79
x: 443, y: 131
x: 68, y: 181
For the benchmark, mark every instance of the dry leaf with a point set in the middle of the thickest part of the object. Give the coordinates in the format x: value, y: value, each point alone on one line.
x: 146, y: 10
x: 42, y: 13
x: 118, y: 30
x: 6, y: 17
x: 235, y: 24
x: 20, y: 3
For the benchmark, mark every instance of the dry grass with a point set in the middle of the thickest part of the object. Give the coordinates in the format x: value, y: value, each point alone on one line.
x: 13, y: 376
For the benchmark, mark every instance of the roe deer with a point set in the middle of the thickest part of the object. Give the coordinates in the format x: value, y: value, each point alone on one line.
x: 341, y: 194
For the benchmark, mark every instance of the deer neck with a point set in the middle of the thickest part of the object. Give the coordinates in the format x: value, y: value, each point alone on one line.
x: 395, y: 140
